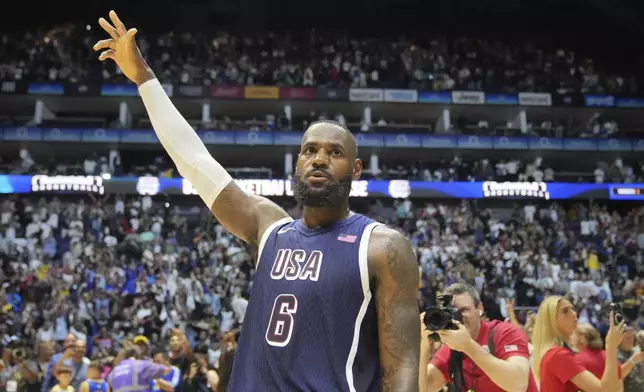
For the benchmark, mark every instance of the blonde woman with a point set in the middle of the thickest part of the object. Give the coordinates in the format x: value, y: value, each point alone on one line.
x: 555, y: 365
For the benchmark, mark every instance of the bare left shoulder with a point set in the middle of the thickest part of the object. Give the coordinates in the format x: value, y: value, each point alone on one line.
x: 390, y: 253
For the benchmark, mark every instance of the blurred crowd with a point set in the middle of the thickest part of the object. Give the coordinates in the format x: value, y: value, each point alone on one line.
x: 316, y: 58
x: 111, y: 273
x: 165, y: 275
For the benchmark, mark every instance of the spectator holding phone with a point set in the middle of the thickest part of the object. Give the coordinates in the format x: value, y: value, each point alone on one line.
x: 555, y: 365
x: 587, y: 341
x: 75, y: 359
x: 48, y: 380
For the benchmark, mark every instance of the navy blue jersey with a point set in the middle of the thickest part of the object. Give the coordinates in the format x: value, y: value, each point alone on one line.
x: 311, y: 322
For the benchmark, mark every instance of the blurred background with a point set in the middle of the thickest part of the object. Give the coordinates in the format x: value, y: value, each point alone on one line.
x: 503, y: 138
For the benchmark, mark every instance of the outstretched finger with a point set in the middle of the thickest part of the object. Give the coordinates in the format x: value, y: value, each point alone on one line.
x: 120, y: 27
x: 131, y: 33
x: 104, y: 44
x: 109, y: 29
x: 108, y: 54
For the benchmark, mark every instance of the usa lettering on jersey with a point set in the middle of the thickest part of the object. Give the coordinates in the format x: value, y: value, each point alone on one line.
x: 290, y: 264
x: 293, y: 264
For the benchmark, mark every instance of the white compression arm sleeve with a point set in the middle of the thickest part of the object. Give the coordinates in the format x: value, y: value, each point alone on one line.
x: 182, y: 143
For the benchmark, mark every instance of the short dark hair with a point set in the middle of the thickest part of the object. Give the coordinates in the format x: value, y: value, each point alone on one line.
x: 160, y: 350
x: 133, y: 352
x: 95, y: 365
x: 464, y: 288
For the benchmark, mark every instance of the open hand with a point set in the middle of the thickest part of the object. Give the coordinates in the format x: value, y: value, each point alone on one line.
x: 122, y: 49
x: 615, y: 332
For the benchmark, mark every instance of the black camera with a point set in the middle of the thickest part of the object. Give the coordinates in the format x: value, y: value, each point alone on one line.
x: 441, y: 316
x: 616, y: 308
x: 19, y: 353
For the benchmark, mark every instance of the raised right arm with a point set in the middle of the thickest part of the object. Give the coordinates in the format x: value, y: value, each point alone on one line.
x: 246, y: 216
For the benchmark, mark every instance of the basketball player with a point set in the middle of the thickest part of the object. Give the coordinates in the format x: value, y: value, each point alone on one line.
x: 333, y: 306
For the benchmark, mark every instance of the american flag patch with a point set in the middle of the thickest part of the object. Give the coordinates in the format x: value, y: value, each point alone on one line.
x: 347, y: 238
x: 510, y: 348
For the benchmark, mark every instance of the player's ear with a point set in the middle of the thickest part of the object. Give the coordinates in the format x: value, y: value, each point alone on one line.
x: 357, y: 169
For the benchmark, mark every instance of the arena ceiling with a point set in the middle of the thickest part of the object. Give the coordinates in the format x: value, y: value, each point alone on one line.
x: 576, y: 17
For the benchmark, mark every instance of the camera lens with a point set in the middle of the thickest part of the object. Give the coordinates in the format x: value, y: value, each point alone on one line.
x: 436, y: 319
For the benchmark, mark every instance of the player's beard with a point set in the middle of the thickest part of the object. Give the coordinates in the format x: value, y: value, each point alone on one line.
x: 334, y: 194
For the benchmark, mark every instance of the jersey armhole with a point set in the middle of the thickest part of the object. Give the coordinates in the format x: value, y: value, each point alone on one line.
x: 363, y: 265
x: 363, y: 255
x: 267, y: 233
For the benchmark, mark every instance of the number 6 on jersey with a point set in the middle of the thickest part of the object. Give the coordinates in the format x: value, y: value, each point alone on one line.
x: 280, y: 326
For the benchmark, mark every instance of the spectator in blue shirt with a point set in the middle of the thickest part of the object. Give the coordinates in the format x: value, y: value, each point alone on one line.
x: 49, y: 380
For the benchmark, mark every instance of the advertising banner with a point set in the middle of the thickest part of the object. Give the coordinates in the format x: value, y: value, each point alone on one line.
x: 18, y: 184
x: 186, y: 90
x: 45, y: 89
x: 297, y: 93
x: 261, y: 92
x: 227, y: 92
x: 535, y: 99
x: 331, y: 94
x: 468, y: 97
x: 366, y: 95
x: 434, y: 97
x: 406, y: 96
x: 119, y: 90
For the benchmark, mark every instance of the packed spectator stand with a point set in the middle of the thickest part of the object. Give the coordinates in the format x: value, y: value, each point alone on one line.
x: 334, y: 59
x: 109, y: 268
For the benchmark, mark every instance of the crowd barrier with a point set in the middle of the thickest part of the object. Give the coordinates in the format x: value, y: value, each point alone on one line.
x: 280, y: 138
x: 557, y: 98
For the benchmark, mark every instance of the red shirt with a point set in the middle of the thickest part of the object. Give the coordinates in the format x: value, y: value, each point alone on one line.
x: 558, y: 366
x: 509, y: 341
x: 594, y: 361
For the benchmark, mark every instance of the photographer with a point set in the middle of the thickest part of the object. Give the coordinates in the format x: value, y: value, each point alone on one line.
x: 16, y: 371
x: 476, y: 355
x: 33, y: 370
x: 9, y: 371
